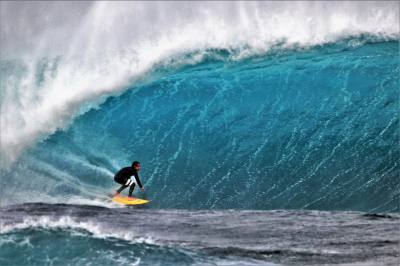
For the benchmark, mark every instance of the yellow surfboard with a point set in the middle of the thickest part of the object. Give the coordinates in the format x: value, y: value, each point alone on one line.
x: 126, y: 201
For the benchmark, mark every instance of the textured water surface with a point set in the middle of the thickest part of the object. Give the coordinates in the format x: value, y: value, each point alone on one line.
x: 314, y: 129
x: 38, y: 234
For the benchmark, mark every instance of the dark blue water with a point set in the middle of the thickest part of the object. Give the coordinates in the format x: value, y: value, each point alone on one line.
x: 293, y: 129
x: 45, y: 234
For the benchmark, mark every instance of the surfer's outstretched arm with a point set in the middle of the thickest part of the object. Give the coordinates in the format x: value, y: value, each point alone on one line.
x: 136, y: 175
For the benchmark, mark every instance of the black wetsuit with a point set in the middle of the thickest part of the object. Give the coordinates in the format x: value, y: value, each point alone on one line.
x: 123, y: 177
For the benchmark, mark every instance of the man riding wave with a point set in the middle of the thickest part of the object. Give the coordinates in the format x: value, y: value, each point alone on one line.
x: 123, y: 177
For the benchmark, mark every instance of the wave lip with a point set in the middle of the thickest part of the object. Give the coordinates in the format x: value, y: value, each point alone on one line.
x: 59, y: 78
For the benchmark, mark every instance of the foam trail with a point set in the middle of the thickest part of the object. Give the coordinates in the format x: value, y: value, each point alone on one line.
x: 66, y: 222
x: 57, y: 63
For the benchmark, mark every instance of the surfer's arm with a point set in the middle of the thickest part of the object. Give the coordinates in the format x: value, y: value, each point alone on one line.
x: 138, y: 181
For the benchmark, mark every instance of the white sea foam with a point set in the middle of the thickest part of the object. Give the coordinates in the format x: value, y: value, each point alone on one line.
x: 102, y: 202
x: 65, y: 56
x: 68, y: 223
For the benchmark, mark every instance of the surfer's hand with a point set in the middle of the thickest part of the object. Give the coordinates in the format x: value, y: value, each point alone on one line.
x: 142, y: 189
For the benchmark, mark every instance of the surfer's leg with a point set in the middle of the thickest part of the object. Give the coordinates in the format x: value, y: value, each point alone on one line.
x: 131, y: 189
x: 121, y: 188
x: 126, y: 184
x: 121, y: 181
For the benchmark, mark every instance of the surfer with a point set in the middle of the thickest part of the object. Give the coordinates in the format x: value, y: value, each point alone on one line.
x: 123, y: 177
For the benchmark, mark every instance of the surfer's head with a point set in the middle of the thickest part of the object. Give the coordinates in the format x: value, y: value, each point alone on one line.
x: 136, y: 165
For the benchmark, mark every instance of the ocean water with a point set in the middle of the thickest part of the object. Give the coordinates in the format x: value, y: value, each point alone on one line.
x: 268, y: 133
x: 60, y: 234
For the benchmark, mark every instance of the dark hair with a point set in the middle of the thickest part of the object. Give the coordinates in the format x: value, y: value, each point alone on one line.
x: 135, y: 163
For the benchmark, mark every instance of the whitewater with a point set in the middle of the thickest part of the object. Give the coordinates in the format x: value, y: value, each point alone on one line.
x: 255, y: 123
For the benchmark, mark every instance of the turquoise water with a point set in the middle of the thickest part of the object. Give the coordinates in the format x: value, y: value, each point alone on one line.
x: 303, y: 129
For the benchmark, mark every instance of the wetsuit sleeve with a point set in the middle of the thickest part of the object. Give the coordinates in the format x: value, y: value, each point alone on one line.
x: 136, y: 175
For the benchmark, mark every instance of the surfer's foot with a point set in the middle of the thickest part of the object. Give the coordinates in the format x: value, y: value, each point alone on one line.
x: 116, y: 194
x: 131, y: 198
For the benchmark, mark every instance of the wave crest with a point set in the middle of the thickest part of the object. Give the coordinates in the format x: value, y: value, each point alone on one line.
x: 100, y: 48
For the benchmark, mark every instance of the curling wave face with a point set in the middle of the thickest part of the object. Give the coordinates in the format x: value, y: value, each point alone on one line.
x: 227, y: 105
x: 293, y: 129
x: 59, y: 59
